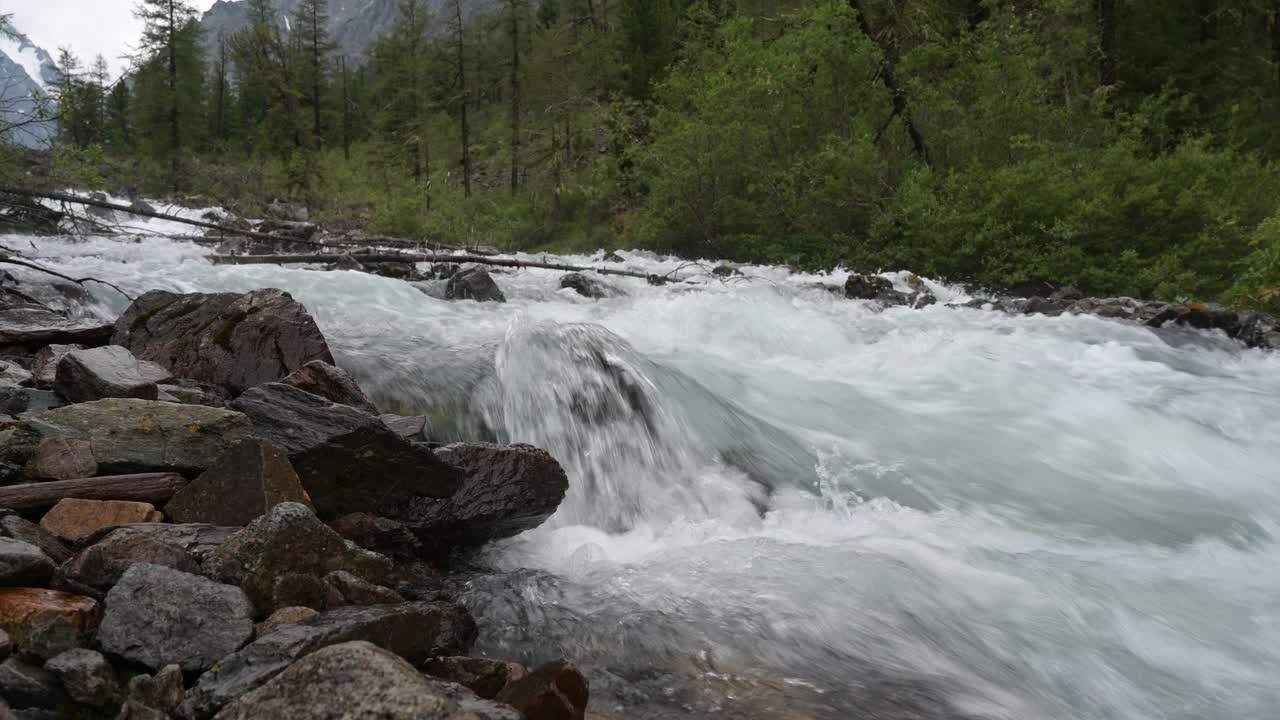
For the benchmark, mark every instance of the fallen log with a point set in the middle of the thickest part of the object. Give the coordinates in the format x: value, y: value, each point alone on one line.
x: 155, y: 488
x: 374, y: 259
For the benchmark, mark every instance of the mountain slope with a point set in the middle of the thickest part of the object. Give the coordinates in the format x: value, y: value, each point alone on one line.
x: 26, y: 71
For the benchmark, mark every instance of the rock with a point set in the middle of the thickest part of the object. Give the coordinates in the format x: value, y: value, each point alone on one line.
x: 411, y: 427
x: 246, y: 482
x: 289, y: 230
x: 62, y: 459
x: 509, y: 489
x: 285, y: 616
x: 198, y: 539
x: 25, y: 686
x: 142, y: 206
x: 233, y: 341
x: 921, y: 298
x: 107, y: 372
x: 163, y: 692
x: 23, y: 564
x: 279, y: 210
x: 304, y: 590
x: 346, y: 261
x: 86, y: 676
x: 157, y: 615
x: 131, y: 435
x: 355, y: 591
x: 32, y: 325
x: 359, y: 680
x: 72, y: 518
x: 866, y: 287
x: 381, y: 535
x: 47, y: 622
x: 485, y: 677
x: 13, y: 374
x: 444, y: 271
x: 97, y: 568
x: 1259, y: 330
x: 19, y: 528
x: 414, y: 631
x: 1044, y: 306
x: 22, y: 401
x: 397, y: 271
x: 1066, y: 293
x: 584, y: 286
x: 332, y: 383
x: 349, y: 461
x: 725, y: 270
x: 288, y: 539
x: 555, y: 691
x: 6, y: 645
x: 613, y: 257
x: 474, y: 284
x: 1210, y: 317
x: 190, y: 392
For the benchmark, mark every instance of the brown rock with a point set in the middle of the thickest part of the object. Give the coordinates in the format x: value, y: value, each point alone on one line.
x: 485, y: 677
x: 555, y: 691
x: 379, y: 534
x: 284, y: 616
x: 246, y: 482
x: 355, y: 591
x: 31, y: 616
x: 44, y: 365
x: 94, y: 570
x: 6, y: 645
x: 304, y: 590
x: 72, y: 519
x: 332, y: 383
x: 62, y: 459
x: 163, y: 692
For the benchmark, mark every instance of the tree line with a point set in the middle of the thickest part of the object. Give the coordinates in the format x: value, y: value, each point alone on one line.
x: 1125, y: 146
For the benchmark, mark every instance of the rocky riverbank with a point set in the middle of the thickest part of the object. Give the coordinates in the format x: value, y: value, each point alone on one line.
x: 203, y: 518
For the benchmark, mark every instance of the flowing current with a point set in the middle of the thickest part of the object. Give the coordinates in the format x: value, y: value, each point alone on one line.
x: 785, y: 504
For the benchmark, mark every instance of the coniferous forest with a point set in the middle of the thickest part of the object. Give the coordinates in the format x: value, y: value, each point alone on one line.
x: 1124, y: 147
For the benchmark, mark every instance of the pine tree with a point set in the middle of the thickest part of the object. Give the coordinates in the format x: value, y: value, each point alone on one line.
x: 400, y: 73
x: 459, y: 32
x: 310, y: 27
x: 170, y: 35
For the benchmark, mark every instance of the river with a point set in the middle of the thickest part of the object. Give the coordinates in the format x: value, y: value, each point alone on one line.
x: 785, y: 504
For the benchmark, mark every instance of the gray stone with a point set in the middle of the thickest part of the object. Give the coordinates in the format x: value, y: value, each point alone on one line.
x: 414, y: 631
x: 191, y: 393
x: 355, y: 591
x: 107, y: 372
x: 199, y: 539
x: 474, y: 284
x: 409, y: 427
x: 23, y: 564
x: 36, y: 326
x: 285, y: 616
x: 163, y: 692
x: 19, y: 401
x: 585, y: 286
x: 289, y: 539
x: 866, y: 287
x: 157, y: 615
x: 331, y: 383
x: 58, y: 458
x: 233, y: 341
x: 247, y: 481
x: 360, y: 680
x: 12, y: 373
x: 19, y: 528
x: 97, y: 568
x: 86, y: 676
x: 6, y: 645
x: 381, y: 535
x: 130, y: 435
x: 304, y: 590
x: 349, y: 461
x: 24, y: 685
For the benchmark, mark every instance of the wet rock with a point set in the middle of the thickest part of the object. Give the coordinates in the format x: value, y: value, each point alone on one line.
x: 725, y: 271
x: 331, y: 383
x: 96, y: 569
x: 397, y: 271
x: 198, y: 539
x: 288, y: 539
x: 584, y: 286
x: 866, y: 287
x: 1045, y: 306
x: 304, y: 590
x: 13, y: 374
x: 381, y: 535
x: 279, y: 210
x: 921, y: 298
x: 233, y: 341
x: 1259, y: 330
x: 157, y: 615
x: 1210, y: 317
x: 62, y: 459
x: 443, y: 271
x: 6, y: 645
x: 23, y: 401
x: 613, y: 257
x: 509, y: 489
x: 410, y: 427
x: 349, y: 461
x: 355, y: 591
x: 72, y: 518
x: 19, y: 528
x: 246, y: 482
x: 130, y: 435
x: 107, y: 372
x: 47, y: 622
x: 33, y: 325
x: 162, y: 693
x: 142, y: 206
x: 414, y: 631
x: 86, y: 676
x: 27, y: 686
x: 555, y: 691
x: 190, y: 392
x: 474, y: 284
x: 360, y: 680
x: 285, y: 616
x: 485, y: 677
x: 23, y: 564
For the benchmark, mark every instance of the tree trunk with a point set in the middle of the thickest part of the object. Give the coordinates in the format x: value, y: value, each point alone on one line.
x: 515, y: 98
x: 175, y: 137
x: 315, y: 77
x: 1275, y: 40
x: 890, y: 80
x: 346, y: 112
x: 1109, y: 69
x: 462, y: 86
x: 155, y: 488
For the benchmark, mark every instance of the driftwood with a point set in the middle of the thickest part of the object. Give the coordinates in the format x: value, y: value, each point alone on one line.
x: 155, y: 488
x: 374, y: 259
x: 47, y: 271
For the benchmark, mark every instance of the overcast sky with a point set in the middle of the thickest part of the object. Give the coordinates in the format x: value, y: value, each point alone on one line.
x: 88, y: 27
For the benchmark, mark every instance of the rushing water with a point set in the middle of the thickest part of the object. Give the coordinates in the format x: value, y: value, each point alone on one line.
x: 785, y: 504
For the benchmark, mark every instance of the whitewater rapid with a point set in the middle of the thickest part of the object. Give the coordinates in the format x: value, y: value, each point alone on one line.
x: 785, y: 504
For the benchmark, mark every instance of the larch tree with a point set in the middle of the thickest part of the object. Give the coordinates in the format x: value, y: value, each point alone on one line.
x: 311, y: 30
x: 458, y: 29
x: 164, y: 23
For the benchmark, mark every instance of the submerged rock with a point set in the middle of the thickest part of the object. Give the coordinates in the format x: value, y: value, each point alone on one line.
x: 585, y: 286
x: 474, y: 284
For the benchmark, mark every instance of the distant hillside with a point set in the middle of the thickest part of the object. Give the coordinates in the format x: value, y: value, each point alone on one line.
x: 26, y: 70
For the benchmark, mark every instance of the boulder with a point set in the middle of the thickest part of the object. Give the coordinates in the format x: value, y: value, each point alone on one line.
x: 355, y: 591
x: 157, y: 615
x: 485, y: 677
x: 190, y: 392
x: 130, y: 435
x: 19, y: 528
x: 285, y: 616
x: 6, y: 645
x: 47, y: 622
x: 36, y: 326
x: 921, y: 298
x: 725, y: 270
x: 360, y: 680
x: 297, y: 589
x: 22, y: 563
x: 349, y: 461
x: 86, y: 676
x: 198, y: 539
x: 379, y: 534
x: 613, y: 257
x: 17, y: 442
x: 58, y: 458
x: 107, y: 372
x: 410, y: 427
x: 72, y: 518
x: 1260, y: 330
x: 288, y: 539
x: 866, y: 287
x: 162, y: 692
x: 474, y: 284
x: 24, y: 401
x: 233, y: 341
x: 443, y: 271
x: 414, y: 631
x: 509, y: 489
x: 584, y: 286
x: 555, y: 691
x: 96, y: 569
x: 13, y: 374
x: 331, y: 383
x: 28, y: 686
x: 246, y: 482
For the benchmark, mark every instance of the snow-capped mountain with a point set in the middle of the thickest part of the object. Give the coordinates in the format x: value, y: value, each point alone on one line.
x: 26, y: 72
